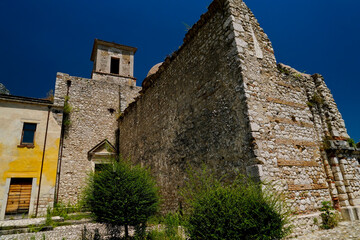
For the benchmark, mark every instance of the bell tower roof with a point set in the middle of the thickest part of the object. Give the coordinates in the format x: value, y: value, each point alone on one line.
x: 110, y: 44
x: 112, y: 61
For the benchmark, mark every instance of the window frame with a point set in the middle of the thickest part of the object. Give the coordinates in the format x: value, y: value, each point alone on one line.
x: 28, y: 144
x: 112, y: 64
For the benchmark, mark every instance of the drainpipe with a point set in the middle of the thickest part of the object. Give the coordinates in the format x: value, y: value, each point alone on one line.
x: 62, y: 135
x: 42, y: 161
x: 117, y: 134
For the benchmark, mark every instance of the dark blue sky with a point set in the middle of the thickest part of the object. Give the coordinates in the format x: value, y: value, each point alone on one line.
x: 42, y: 37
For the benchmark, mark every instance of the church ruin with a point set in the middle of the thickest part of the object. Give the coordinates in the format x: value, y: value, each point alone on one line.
x: 220, y: 100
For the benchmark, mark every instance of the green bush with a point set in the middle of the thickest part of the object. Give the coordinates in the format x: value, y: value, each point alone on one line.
x: 329, y: 218
x: 122, y: 195
x: 172, y: 222
x: 240, y: 210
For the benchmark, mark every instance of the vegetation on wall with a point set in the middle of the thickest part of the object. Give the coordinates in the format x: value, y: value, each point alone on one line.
x: 50, y: 95
x: 351, y: 142
x: 316, y: 99
x: 66, y: 111
x: 330, y: 218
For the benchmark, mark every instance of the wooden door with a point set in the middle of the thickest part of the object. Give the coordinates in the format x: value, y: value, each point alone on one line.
x: 19, y: 196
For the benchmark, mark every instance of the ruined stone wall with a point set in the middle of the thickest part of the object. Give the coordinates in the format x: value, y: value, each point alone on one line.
x: 192, y: 111
x: 222, y: 100
x: 292, y: 116
x: 95, y: 107
x: 290, y: 113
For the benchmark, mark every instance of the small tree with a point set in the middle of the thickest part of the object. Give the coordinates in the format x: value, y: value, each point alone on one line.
x: 242, y: 209
x: 122, y: 195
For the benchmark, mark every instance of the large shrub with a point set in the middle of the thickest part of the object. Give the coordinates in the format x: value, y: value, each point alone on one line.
x: 122, y: 195
x: 243, y: 209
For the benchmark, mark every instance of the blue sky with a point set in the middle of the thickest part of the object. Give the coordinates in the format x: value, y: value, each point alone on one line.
x: 42, y: 37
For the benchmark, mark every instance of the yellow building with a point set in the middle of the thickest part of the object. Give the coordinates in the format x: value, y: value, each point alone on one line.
x: 29, y: 145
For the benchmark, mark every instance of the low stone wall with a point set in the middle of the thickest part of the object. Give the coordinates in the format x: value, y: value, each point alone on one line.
x: 72, y: 232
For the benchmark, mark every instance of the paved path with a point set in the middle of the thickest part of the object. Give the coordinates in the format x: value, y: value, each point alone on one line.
x: 345, y: 230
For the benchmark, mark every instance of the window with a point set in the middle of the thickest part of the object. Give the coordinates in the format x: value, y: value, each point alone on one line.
x: 28, y: 134
x: 114, y: 65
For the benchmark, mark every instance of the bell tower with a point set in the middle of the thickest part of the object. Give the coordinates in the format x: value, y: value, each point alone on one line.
x: 113, y: 62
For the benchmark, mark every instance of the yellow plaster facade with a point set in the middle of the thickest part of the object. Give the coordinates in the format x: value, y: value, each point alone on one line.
x: 17, y: 161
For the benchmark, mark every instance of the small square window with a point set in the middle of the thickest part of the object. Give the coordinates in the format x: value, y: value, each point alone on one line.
x: 115, y: 65
x: 28, y: 134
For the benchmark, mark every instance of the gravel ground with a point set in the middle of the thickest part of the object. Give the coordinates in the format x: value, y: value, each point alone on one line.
x: 345, y: 230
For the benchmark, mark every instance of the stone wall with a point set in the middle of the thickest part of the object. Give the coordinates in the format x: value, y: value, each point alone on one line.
x: 343, y: 161
x: 222, y: 100
x: 192, y: 111
x: 95, y: 107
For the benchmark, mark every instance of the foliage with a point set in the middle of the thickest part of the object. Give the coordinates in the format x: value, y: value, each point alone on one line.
x: 187, y: 26
x: 198, y: 183
x: 326, y: 143
x: 242, y: 209
x: 67, y: 107
x: 329, y: 218
x: 120, y: 114
x: 309, y: 104
x: 157, y: 235
x: 351, y: 142
x: 316, y: 221
x: 63, y: 210
x: 297, y: 75
x: 284, y: 70
x: 50, y: 95
x: 317, y: 99
x: 67, y: 110
x: 161, y: 235
x: 172, y: 222
x: 122, y: 195
x: 48, y: 220
x: 171, y: 226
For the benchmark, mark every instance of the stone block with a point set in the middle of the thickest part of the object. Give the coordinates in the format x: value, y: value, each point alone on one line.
x: 343, y: 197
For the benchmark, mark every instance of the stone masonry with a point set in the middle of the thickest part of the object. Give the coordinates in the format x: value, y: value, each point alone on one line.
x: 222, y: 100
x: 95, y: 105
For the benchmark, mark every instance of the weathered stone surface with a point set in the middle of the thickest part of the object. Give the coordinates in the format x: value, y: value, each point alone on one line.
x: 95, y: 106
x: 222, y: 100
